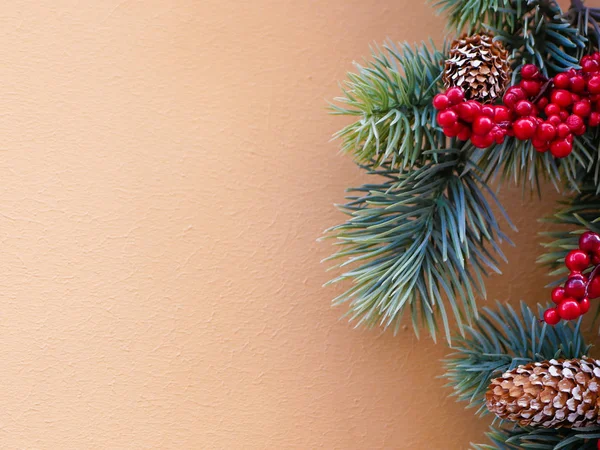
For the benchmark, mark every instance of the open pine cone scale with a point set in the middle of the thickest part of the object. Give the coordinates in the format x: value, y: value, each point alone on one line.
x: 549, y: 394
x: 479, y: 66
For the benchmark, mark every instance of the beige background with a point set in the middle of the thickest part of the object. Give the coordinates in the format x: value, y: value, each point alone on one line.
x: 166, y: 170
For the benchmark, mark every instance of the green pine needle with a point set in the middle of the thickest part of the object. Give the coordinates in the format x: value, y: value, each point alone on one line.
x: 476, y: 15
x: 517, y: 438
x: 502, y: 339
x: 543, y: 35
x: 420, y: 242
x: 391, y: 99
x: 534, y: 31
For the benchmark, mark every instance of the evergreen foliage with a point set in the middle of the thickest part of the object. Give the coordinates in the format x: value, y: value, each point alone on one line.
x: 405, y: 243
x: 419, y: 236
x: 575, y: 215
x: 502, y: 339
x: 391, y: 98
x: 517, y: 438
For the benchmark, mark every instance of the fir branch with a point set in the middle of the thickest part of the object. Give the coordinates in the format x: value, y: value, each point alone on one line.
x: 543, y: 35
x: 576, y: 215
x: 391, y: 98
x: 501, y: 340
x: 474, y: 15
x: 534, y: 31
x: 518, y: 162
x: 586, y: 20
x: 515, y: 438
x: 416, y: 238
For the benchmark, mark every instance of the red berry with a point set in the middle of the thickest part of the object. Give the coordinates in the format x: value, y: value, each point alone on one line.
x: 595, y: 56
x: 464, y: 134
x: 468, y: 111
x: 569, y: 309
x: 593, y: 84
x: 510, y: 100
x: 482, y: 141
x: 529, y: 71
x: 577, y: 260
x: 582, y: 108
x: 577, y: 84
x: 575, y: 287
x: 524, y: 128
x: 551, y: 316
x: 558, y: 294
x: 513, y: 95
x: 450, y: 131
x: 454, y: 129
x: 487, y: 110
x: 552, y: 110
x: 563, y: 115
x: 523, y: 107
x: 531, y: 88
x: 554, y: 120
x: 447, y: 118
x: 540, y: 145
x: 594, y: 288
x: 589, y: 242
x: 542, y: 102
x: 584, y: 305
x: 455, y: 95
x: 440, y: 101
x: 561, y: 97
x: 579, y: 131
x: 498, y: 134
x: 574, y: 122
x: 517, y: 91
x: 594, y: 120
x: 561, y: 80
x: 561, y: 148
x: 501, y: 114
x: 546, y: 131
x: 563, y: 130
x: 482, y: 125
x: 589, y: 66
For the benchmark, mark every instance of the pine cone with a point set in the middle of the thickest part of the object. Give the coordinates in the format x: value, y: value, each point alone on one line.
x: 479, y: 66
x: 549, y: 394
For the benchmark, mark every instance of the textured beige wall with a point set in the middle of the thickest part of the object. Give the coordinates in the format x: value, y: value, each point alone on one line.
x: 165, y: 173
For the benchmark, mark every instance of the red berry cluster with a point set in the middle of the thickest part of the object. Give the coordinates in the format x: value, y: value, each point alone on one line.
x: 547, y: 112
x: 573, y: 299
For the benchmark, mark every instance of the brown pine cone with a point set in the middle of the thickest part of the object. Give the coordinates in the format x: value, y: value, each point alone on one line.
x: 549, y: 394
x: 479, y: 66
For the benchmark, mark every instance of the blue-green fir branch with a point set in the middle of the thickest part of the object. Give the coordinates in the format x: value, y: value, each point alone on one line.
x: 390, y: 99
x: 517, y: 438
x: 579, y: 213
x: 518, y: 162
x: 419, y: 242
x: 544, y: 36
x: 500, y: 340
x: 534, y: 31
x: 476, y: 15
